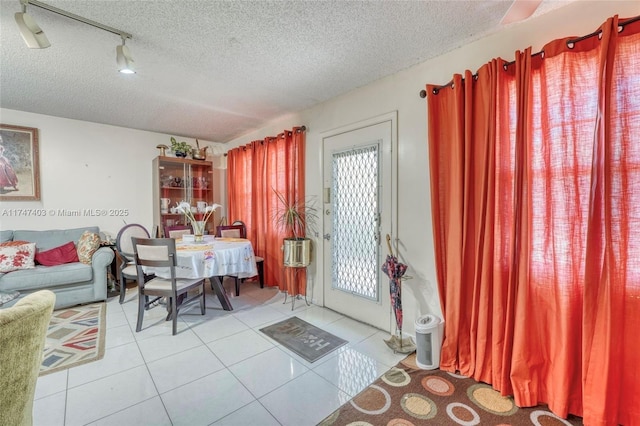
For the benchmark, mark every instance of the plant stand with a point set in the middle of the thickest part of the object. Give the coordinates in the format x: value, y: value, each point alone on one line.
x: 293, y: 298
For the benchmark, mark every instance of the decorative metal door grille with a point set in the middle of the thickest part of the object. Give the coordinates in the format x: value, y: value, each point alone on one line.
x: 355, y: 221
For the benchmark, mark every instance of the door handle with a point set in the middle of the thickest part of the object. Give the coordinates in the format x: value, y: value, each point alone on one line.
x: 327, y: 237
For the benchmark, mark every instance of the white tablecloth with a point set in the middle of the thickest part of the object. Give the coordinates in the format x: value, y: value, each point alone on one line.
x: 213, y: 257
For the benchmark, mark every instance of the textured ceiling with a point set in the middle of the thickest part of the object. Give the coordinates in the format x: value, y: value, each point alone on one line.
x: 215, y: 70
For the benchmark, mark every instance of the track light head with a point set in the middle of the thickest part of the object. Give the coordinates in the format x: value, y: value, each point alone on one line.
x: 124, y: 59
x: 31, y: 32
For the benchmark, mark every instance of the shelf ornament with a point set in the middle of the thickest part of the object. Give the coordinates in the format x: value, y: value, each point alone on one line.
x: 197, y: 225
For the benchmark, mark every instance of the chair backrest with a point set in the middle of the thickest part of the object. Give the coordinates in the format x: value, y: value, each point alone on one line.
x: 23, y: 330
x: 123, y: 239
x: 154, y: 252
x: 244, y: 227
x: 158, y: 252
x: 230, y: 231
x: 176, y: 231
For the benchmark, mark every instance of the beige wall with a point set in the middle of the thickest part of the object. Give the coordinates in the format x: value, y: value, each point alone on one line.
x: 400, y: 93
x: 87, y: 166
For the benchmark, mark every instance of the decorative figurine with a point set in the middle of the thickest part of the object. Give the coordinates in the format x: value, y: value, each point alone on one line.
x: 162, y: 149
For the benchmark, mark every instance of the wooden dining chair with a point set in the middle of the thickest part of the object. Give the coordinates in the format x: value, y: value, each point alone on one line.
x: 176, y: 231
x: 239, y: 230
x: 124, y: 250
x: 231, y: 231
x: 161, y: 252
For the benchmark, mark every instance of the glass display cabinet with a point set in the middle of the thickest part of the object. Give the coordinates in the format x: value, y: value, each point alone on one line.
x: 180, y: 179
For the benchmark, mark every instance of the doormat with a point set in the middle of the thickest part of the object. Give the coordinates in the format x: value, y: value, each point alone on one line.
x: 75, y: 336
x: 304, y: 339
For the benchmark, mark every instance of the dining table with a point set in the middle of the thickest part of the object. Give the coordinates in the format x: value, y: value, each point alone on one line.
x: 212, y: 258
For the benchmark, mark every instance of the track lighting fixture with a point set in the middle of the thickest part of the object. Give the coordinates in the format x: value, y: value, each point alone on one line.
x: 30, y: 31
x: 124, y: 59
x: 35, y: 38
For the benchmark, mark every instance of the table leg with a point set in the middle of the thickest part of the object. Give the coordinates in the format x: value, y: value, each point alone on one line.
x: 216, y: 285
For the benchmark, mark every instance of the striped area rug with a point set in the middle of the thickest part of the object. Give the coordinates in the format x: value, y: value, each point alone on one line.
x: 409, y: 396
x: 75, y: 337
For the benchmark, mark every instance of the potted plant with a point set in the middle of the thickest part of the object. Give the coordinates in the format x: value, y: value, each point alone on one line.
x: 181, y: 149
x: 298, y: 218
x: 199, y: 153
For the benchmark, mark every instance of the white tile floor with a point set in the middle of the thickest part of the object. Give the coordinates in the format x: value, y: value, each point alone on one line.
x: 218, y: 370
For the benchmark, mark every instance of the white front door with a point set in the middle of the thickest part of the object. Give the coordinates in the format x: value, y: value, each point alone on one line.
x: 359, y: 201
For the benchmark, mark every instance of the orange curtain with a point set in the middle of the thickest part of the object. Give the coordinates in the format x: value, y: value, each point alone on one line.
x: 254, y: 171
x: 535, y: 186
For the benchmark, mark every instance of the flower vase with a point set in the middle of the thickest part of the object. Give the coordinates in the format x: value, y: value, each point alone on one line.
x: 198, y: 231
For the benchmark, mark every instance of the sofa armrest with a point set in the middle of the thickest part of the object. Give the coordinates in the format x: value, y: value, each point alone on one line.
x: 101, y: 259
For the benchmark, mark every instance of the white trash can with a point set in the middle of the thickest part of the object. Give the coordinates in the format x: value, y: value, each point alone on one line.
x: 429, y: 334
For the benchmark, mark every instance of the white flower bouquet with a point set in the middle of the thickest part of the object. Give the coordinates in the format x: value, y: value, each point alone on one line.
x: 198, y: 225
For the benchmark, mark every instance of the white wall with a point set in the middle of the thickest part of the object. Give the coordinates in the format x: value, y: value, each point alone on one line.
x: 86, y: 165
x: 400, y: 92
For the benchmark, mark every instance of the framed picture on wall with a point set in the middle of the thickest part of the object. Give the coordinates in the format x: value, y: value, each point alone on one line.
x: 19, y: 167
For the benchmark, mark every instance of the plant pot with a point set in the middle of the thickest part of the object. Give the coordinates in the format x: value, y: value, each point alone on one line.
x: 297, y: 252
x: 199, y: 154
x: 181, y: 154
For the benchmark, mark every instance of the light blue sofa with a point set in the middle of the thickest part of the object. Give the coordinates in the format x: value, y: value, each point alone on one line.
x: 73, y: 283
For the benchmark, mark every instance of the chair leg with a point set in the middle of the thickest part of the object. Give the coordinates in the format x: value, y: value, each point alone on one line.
x: 203, y: 308
x: 237, y: 286
x: 123, y: 287
x: 174, y: 312
x: 260, y: 266
x: 169, y: 308
x: 141, y: 309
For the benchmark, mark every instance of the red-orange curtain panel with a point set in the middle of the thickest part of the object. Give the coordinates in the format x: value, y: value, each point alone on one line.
x: 535, y: 188
x: 254, y: 171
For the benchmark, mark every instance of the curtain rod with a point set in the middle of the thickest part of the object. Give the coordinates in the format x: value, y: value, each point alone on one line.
x: 423, y: 93
x: 570, y: 43
x: 301, y: 129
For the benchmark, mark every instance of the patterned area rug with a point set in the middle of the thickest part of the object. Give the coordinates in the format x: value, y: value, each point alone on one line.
x: 306, y: 340
x: 407, y: 395
x: 75, y: 337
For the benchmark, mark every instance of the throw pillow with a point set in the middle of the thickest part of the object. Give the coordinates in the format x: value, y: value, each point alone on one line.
x: 17, y: 257
x: 13, y: 243
x: 65, y: 253
x: 87, y: 245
